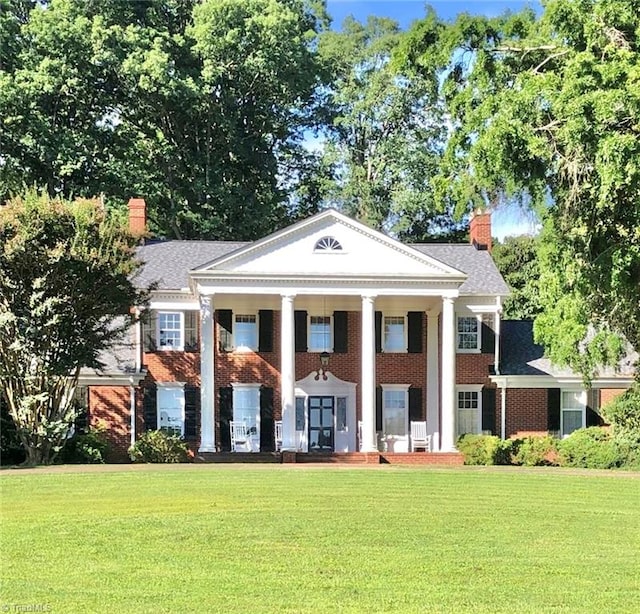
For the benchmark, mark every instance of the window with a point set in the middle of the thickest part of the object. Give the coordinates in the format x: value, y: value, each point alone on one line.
x: 245, y: 331
x: 469, y: 411
x: 341, y: 414
x: 328, y: 244
x: 572, y: 415
x: 394, y: 410
x: 171, y: 409
x: 300, y: 421
x: 170, y: 330
x: 246, y: 407
x: 468, y: 333
x: 394, y: 339
x: 320, y: 334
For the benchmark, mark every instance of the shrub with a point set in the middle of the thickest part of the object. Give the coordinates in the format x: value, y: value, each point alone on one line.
x: 592, y: 447
x: 86, y: 448
x: 159, y: 447
x: 484, y: 450
x: 535, y: 451
x: 623, y: 412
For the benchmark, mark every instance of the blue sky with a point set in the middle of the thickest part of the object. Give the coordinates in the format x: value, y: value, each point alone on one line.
x: 507, y: 220
x: 406, y: 11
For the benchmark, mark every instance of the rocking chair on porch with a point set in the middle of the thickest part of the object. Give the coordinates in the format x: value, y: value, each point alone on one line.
x: 277, y: 425
x: 419, y: 437
x: 239, y: 437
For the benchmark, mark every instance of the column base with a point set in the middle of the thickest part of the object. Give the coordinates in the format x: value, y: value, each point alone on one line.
x: 207, y: 449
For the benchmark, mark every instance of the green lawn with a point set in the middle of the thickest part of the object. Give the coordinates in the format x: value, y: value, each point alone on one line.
x: 320, y: 539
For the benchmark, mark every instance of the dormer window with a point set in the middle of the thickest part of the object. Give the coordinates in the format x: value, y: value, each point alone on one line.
x: 328, y: 244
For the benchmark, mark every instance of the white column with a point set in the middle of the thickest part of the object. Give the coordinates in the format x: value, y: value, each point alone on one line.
x: 447, y: 427
x: 207, y: 388
x: 433, y: 379
x: 368, y: 375
x: 287, y: 374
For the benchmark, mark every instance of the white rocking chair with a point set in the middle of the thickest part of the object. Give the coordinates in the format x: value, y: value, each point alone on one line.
x: 277, y: 425
x: 239, y: 437
x: 419, y: 437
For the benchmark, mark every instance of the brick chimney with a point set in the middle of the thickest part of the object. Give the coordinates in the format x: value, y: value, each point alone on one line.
x: 480, y: 230
x: 137, y: 216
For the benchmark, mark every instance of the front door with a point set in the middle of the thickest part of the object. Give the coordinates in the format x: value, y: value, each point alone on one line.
x: 321, y: 429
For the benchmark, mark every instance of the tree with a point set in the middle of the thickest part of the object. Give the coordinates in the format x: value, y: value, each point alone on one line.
x: 517, y: 261
x: 191, y: 104
x: 65, y: 296
x: 386, y: 134
x: 547, y: 110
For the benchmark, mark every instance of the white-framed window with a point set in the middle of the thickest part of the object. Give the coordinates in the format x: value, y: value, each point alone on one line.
x: 170, y: 331
x: 394, y: 334
x: 395, y: 410
x: 469, y: 410
x: 245, y: 331
x: 468, y: 333
x: 320, y: 334
x: 246, y: 406
x: 170, y: 400
x: 573, y: 411
x: 341, y: 414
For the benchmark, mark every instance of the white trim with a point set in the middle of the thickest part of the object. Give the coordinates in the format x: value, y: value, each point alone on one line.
x: 171, y: 386
x: 477, y: 388
x: 174, y: 305
x: 244, y: 348
x: 550, y: 381
x: 583, y: 401
x: 396, y: 438
x: 132, y: 412
x: 470, y: 316
x: 405, y: 325
x: 329, y: 349
x: 170, y: 348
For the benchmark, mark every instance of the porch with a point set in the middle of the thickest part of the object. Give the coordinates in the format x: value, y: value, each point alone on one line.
x: 351, y: 458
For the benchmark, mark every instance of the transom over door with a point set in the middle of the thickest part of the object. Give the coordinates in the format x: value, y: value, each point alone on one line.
x: 321, y: 424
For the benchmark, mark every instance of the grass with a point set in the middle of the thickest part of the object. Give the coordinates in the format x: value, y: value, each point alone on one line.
x: 330, y: 539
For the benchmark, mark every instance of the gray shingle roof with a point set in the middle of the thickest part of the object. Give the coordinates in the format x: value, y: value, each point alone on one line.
x: 519, y: 355
x: 169, y: 262
x: 483, y: 274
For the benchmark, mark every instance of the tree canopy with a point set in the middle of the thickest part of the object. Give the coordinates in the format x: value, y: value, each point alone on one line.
x: 193, y: 105
x: 547, y: 110
x: 65, y: 296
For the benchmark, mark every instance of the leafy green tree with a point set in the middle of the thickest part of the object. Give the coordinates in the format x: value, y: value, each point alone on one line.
x: 65, y: 296
x: 386, y: 133
x: 517, y: 260
x: 193, y: 105
x: 547, y: 110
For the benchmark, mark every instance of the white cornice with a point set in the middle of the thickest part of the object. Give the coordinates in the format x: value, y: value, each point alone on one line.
x: 550, y: 381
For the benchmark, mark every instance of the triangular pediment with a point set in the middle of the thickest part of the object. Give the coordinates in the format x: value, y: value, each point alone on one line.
x: 330, y: 243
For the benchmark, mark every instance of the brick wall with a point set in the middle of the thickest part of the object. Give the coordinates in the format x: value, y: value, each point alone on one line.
x: 608, y: 394
x: 110, y: 404
x: 526, y: 411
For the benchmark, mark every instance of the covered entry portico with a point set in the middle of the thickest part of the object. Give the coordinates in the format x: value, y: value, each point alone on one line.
x: 322, y: 266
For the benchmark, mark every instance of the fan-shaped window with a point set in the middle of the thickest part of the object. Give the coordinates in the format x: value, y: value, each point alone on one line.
x: 328, y: 244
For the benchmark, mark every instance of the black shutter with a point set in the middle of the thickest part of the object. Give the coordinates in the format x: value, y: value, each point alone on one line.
x: 415, y: 334
x: 300, y: 322
x: 415, y: 404
x: 340, y: 332
x: 378, y: 408
x: 191, y: 331
x: 265, y: 330
x: 267, y: 435
x: 149, y: 324
x: 191, y: 411
x: 226, y: 416
x: 553, y: 409
x: 378, y: 317
x: 488, y: 336
x: 489, y: 410
x: 150, y: 407
x: 593, y: 418
x: 225, y: 319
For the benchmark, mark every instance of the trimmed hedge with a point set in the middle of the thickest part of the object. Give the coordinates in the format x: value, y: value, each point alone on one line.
x: 535, y: 451
x: 592, y: 447
x: 484, y: 450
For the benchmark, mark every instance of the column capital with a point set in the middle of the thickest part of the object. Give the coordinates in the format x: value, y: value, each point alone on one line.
x: 288, y: 296
x: 369, y: 297
x: 434, y: 313
x: 448, y: 300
